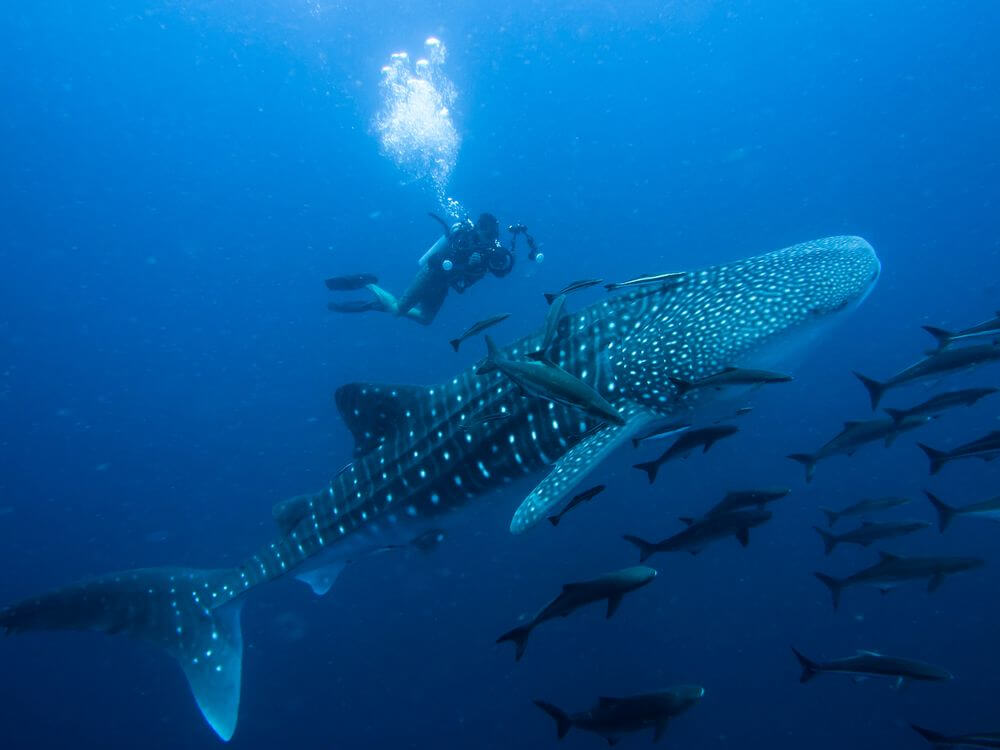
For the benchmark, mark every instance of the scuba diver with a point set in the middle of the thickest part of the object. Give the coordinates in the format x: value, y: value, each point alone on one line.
x: 463, y: 255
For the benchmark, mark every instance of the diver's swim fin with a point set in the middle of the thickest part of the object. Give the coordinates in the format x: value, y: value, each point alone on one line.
x: 350, y: 283
x: 354, y: 306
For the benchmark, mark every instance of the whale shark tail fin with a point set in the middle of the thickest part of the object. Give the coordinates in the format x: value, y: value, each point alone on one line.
x: 174, y: 608
x: 875, y: 389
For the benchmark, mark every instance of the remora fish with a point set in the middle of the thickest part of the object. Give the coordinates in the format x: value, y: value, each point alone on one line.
x: 935, y: 364
x: 874, y: 664
x: 986, y: 448
x: 550, y: 382
x: 980, y: 739
x: 892, y: 570
x: 574, y: 286
x: 943, y: 401
x: 416, y: 468
x: 583, y: 497
x: 855, y: 434
x: 479, y: 327
x: 552, y: 319
x: 738, y: 499
x: 702, y: 532
x: 660, y: 278
x: 945, y: 338
x: 612, y: 717
x: 350, y: 283
x: 730, y: 376
x: 610, y: 587
x: 863, y: 508
x: 659, y: 429
x: 988, y: 509
x: 869, y: 532
x: 703, y: 437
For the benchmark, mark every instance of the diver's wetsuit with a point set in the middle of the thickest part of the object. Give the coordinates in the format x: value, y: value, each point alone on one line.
x: 457, y: 261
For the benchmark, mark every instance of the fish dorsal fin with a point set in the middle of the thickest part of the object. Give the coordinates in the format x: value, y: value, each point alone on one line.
x: 569, y: 588
x: 289, y: 512
x: 374, y: 412
x: 606, y: 701
x: 850, y: 423
x: 729, y: 369
x: 574, y: 467
x: 686, y: 520
x: 887, y: 556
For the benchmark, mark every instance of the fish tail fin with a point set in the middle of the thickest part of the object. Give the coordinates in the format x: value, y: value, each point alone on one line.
x: 875, y: 388
x: 832, y: 516
x: 455, y: 343
x: 935, y: 738
x: 829, y: 540
x: 834, y: 585
x: 896, y: 414
x: 539, y: 356
x: 941, y: 336
x: 682, y: 386
x: 945, y: 512
x: 171, y: 607
x: 554, y: 520
x: 491, y: 356
x: 550, y: 297
x: 646, y: 549
x: 519, y: 637
x: 650, y: 467
x: 936, y: 457
x: 808, y: 461
x: 809, y: 668
x: 563, y: 722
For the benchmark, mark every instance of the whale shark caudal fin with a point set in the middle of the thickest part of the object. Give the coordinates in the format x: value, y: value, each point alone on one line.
x: 375, y: 412
x: 936, y: 457
x: 875, y: 389
x: 573, y: 467
x: 809, y: 668
x: 171, y: 607
x: 808, y: 461
x: 945, y: 512
x: 563, y: 722
x: 835, y: 587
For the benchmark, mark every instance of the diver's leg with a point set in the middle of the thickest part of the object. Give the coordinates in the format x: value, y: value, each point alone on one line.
x: 427, y: 309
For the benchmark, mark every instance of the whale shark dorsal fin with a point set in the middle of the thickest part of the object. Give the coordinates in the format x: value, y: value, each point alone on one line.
x: 374, y: 412
x: 573, y: 468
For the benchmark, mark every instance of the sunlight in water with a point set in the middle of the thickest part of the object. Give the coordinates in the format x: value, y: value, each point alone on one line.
x: 414, y: 123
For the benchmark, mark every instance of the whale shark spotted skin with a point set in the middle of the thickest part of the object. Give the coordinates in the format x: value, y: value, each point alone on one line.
x: 424, y: 452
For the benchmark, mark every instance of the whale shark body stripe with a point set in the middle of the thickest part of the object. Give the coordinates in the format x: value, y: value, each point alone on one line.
x: 425, y: 455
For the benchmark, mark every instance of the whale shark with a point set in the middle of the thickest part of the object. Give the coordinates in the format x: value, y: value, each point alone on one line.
x: 422, y: 453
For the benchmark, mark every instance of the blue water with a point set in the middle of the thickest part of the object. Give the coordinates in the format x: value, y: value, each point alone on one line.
x: 179, y: 178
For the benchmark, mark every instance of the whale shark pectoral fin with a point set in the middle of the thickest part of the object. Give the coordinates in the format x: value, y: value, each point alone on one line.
x: 573, y: 467
x: 215, y: 679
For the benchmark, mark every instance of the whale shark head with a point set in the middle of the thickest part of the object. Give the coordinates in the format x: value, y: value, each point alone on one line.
x: 754, y: 312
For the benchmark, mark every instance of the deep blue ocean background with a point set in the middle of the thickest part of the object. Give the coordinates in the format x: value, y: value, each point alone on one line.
x: 180, y: 177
